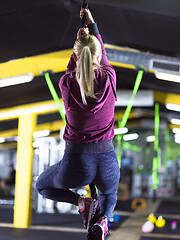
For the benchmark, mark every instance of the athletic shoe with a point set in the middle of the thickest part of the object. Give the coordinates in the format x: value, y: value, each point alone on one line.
x: 99, y: 230
x: 88, y: 209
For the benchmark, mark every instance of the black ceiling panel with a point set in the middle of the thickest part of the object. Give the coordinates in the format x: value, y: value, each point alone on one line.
x: 33, y: 27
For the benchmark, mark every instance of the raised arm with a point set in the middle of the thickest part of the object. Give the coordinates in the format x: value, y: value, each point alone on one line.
x: 72, y: 62
x: 93, y: 29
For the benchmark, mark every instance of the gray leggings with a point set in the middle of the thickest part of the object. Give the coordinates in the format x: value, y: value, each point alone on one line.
x: 83, y: 164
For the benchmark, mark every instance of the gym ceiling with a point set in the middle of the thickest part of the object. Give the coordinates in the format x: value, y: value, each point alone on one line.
x: 39, y: 34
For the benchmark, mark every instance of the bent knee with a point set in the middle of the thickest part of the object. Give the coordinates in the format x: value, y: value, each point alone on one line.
x: 38, y: 186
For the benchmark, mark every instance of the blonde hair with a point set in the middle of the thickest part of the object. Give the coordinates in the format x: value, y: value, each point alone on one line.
x: 88, y: 51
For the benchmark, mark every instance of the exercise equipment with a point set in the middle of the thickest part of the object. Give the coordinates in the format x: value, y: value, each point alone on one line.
x: 123, y: 192
x: 160, y: 222
x: 54, y: 94
x: 114, y: 221
x: 152, y: 218
x: 117, y: 217
x: 122, y: 123
x: 128, y: 146
x: 147, y: 227
x: 157, y: 151
x: 166, y: 156
x: 138, y: 204
x: 173, y: 225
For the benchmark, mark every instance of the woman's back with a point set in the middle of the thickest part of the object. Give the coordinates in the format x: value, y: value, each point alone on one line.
x: 94, y: 121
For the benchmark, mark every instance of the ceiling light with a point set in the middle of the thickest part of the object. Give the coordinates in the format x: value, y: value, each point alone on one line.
x: 43, y: 133
x: 2, y: 140
x: 173, y: 107
x: 177, y: 137
x: 167, y: 77
x: 150, y: 138
x: 175, y: 121
x: 129, y: 137
x: 120, y: 131
x: 16, y: 80
x: 177, y: 141
x: 176, y: 130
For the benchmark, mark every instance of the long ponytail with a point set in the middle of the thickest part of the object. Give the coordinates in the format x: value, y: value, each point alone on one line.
x: 84, y: 74
x: 86, y: 48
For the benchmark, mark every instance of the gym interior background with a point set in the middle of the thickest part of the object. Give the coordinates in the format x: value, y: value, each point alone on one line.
x: 142, y: 41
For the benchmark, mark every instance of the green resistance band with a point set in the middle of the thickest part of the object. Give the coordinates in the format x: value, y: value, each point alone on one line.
x: 157, y: 158
x: 129, y: 107
x: 156, y: 142
x: 155, y: 180
x: 119, y: 141
x: 156, y: 126
x: 147, y: 153
x: 55, y: 96
x: 122, y: 123
x: 166, y: 148
x: 134, y: 148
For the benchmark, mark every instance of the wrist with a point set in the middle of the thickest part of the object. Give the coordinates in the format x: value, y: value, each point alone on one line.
x: 93, y: 29
x: 90, y: 22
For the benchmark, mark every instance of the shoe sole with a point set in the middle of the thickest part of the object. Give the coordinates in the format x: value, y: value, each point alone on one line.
x: 91, y: 209
x: 96, y: 233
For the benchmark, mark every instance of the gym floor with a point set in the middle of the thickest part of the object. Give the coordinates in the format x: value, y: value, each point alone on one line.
x: 68, y: 226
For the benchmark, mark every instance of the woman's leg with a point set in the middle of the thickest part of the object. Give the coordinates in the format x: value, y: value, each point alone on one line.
x: 74, y: 170
x: 107, y: 182
x: 70, y: 172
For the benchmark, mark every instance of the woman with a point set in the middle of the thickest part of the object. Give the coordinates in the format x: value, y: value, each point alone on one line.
x: 88, y: 93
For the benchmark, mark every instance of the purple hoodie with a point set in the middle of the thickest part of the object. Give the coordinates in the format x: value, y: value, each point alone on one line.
x: 95, y: 121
